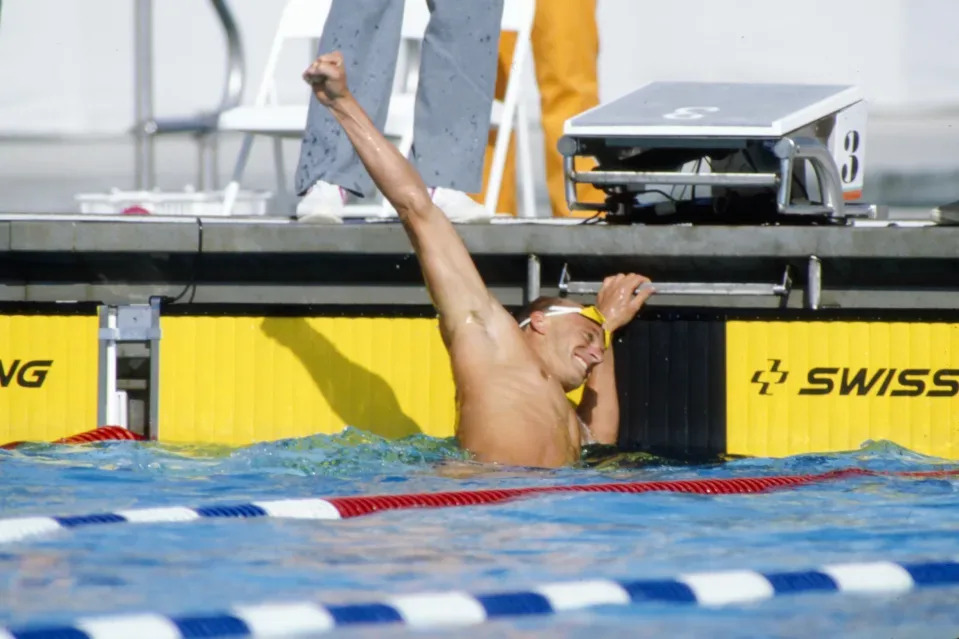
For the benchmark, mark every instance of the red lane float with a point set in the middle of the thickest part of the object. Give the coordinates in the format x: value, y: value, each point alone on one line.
x: 356, y: 506
x: 102, y: 434
x: 364, y: 505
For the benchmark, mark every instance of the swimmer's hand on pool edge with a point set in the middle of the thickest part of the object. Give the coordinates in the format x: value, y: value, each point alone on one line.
x: 327, y: 77
x: 621, y: 296
x: 619, y: 299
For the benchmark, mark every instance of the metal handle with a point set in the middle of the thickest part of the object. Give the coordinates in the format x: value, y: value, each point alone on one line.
x: 567, y: 285
x: 232, y: 89
x: 790, y: 149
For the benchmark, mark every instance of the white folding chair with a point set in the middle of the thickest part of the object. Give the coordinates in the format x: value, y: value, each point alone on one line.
x: 518, y: 18
x: 301, y: 19
x: 505, y: 114
x: 305, y: 19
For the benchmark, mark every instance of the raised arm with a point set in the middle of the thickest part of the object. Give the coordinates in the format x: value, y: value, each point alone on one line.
x: 619, y: 299
x: 455, y: 285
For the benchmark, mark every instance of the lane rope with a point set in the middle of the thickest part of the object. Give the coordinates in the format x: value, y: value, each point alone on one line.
x: 101, y: 434
x: 18, y: 528
x: 458, y: 608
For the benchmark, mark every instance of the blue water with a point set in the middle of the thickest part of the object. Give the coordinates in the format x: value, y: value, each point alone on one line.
x: 207, y: 565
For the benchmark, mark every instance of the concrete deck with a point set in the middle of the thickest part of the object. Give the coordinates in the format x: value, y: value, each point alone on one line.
x: 57, y: 258
x: 103, y: 234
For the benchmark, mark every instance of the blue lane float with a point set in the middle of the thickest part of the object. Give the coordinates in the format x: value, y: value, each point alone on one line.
x: 20, y: 528
x: 451, y: 609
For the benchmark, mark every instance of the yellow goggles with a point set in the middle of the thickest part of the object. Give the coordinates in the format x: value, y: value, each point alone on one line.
x: 589, y: 312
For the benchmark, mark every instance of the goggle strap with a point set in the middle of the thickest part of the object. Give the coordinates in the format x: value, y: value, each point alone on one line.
x: 589, y: 312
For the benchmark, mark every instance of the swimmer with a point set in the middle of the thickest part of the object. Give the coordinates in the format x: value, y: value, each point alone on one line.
x: 511, y: 377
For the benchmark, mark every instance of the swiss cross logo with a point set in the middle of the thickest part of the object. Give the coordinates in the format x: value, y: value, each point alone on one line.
x: 771, y: 376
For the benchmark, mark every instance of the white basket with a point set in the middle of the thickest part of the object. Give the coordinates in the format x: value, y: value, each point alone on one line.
x: 176, y: 203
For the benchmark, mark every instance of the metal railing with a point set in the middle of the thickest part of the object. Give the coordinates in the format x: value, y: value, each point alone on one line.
x: 203, y: 126
x: 568, y: 286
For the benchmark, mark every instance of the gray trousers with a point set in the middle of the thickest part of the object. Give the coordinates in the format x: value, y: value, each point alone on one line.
x: 454, y: 94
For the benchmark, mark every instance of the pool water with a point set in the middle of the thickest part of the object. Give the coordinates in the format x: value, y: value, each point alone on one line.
x: 208, y: 565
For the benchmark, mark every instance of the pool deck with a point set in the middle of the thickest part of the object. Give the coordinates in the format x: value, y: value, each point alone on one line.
x: 269, y: 260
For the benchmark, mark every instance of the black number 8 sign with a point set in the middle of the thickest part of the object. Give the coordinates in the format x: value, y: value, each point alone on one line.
x: 850, y: 168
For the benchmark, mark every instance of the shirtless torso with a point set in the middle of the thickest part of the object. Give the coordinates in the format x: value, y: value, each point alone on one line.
x: 510, y: 409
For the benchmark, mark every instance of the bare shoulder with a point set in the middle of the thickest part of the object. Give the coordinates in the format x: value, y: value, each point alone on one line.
x: 489, y: 327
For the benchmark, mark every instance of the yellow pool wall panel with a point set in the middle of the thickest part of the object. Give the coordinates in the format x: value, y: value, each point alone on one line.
x: 48, y: 376
x: 237, y: 380
x: 799, y: 387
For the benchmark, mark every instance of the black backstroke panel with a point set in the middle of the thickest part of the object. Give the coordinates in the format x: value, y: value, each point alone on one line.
x: 671, y: 377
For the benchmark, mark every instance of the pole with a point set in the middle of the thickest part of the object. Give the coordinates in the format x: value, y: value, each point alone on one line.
x: 143, y: 95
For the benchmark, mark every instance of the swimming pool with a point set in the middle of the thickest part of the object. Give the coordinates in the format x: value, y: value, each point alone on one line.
x: 212, y: 564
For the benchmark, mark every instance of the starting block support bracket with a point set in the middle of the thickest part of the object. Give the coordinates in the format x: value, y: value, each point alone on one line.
x: 127, y: 323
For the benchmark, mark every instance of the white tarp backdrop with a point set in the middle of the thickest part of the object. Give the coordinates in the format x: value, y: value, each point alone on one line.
x: 66, y: 66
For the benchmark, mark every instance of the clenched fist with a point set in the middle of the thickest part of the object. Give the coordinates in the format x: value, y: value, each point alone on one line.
x: 327, y: 77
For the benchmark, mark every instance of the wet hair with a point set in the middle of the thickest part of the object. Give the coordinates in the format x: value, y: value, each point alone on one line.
x: 541, y: 304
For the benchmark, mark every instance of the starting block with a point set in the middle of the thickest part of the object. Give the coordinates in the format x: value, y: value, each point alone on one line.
x: 680, y: 152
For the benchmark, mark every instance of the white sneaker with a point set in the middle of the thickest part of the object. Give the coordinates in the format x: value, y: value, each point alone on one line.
x: 458, y: 206
x: 323, y: 203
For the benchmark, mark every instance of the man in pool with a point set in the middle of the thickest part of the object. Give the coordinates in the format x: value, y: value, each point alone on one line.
x: 511, y: 378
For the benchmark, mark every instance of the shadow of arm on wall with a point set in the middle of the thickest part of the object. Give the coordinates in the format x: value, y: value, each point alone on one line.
x: 358, y: 396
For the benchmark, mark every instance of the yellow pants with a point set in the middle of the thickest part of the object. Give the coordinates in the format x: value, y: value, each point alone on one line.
x: 565, y: 43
